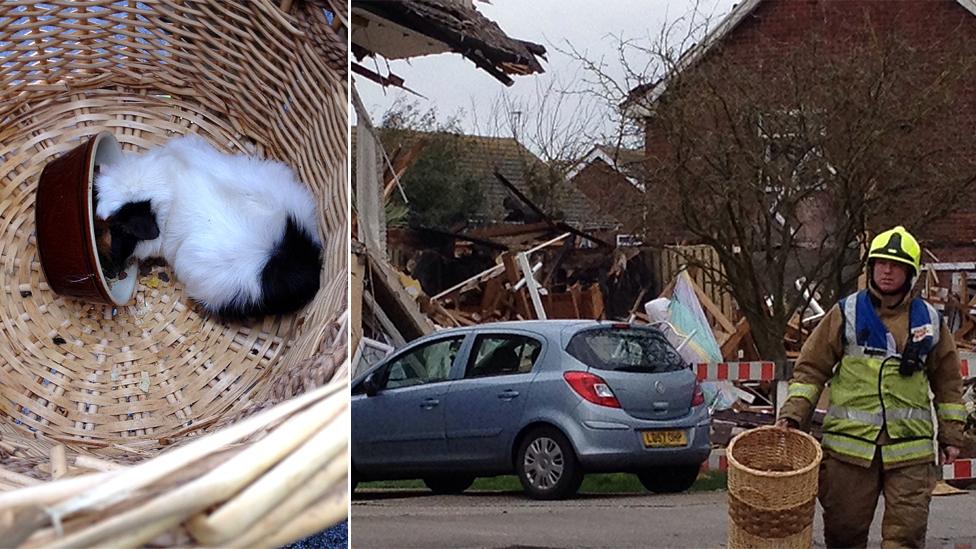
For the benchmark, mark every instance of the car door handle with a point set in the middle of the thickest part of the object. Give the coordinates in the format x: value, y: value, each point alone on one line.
x: 508, y: 394
x: 429, y: 403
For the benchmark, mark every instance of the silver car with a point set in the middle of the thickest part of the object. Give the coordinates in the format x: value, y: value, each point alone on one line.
x: 547, y: 400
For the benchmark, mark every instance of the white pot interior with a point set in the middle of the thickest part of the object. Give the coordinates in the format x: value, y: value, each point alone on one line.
x: 108, y: 151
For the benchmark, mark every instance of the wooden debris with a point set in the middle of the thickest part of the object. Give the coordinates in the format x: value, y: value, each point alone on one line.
x: 59, y: 461
x: 731, y: 345
x: 531, y: 286
x: 389, y: 295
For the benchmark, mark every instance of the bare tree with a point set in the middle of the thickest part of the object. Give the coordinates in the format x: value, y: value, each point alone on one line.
x: 784, y: 155
x: 555, y: 123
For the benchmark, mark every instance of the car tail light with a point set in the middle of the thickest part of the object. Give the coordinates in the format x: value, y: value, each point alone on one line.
x: 592, y: 388
x: 699, y: 397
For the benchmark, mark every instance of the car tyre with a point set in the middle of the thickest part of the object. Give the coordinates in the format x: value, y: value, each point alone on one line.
x: 669, y: 479
x: 449, y: 484
x: 547, y: 466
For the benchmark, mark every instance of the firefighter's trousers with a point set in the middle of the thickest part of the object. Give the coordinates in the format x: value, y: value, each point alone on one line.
x: 849, y: 496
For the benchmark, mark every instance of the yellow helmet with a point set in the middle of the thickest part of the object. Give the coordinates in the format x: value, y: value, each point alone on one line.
x: 897, y: 245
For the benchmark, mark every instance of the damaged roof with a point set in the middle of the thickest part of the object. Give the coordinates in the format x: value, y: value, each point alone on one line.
x: 629, y: 162
x: 477, y: 159
x: 411, y: 28
x: 481, y: 156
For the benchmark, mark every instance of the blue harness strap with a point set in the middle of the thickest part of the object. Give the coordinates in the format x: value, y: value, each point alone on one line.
x: 871, y: 333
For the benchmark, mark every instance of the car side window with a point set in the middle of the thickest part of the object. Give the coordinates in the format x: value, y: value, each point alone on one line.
x: 426, y: 364
x: 502, y: 354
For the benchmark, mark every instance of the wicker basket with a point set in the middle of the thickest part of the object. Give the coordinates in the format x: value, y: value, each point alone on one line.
x: 153, y: 423
x: 772, y: 488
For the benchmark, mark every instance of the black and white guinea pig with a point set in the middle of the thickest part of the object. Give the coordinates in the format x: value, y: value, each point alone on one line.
x: 238, y: 231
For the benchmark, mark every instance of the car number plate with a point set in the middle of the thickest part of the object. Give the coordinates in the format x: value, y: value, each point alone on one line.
x: 663, y: 439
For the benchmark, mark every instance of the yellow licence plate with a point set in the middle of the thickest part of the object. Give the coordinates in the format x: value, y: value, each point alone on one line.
x: 663, y: 439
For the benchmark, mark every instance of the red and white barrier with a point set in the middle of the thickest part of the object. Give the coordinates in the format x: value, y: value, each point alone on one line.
x: 967, y: 365
x: 716, y: 461
x: 961, y: 469
x: 735, y: 371
x: 766, y: 371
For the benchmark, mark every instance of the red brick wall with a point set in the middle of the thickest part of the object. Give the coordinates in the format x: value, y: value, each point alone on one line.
x: 612, y: 194
x: 775, y: 25
x: 664, y: 220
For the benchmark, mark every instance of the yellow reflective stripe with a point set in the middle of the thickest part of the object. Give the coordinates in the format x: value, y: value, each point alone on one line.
x: 951, y: 412
x: 870, y: 418
x: 804, y: 390
x: 849, y: 446
x: 905, y: 451
x: 895, y: 414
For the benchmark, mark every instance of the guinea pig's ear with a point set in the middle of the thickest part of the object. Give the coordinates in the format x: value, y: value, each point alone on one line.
x: 137, y: 219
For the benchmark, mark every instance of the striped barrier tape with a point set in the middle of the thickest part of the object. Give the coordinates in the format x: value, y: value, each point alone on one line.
x: 961, y: 469
x: 736, y: 371
x: 716, y: 461
x: 967, y: 366
x: 766, y: 371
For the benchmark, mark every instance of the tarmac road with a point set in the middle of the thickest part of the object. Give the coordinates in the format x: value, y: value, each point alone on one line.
x: 416, y: 518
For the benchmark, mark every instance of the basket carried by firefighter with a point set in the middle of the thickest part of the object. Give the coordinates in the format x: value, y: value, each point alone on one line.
x: 772, y: 488
x: 154, y: 423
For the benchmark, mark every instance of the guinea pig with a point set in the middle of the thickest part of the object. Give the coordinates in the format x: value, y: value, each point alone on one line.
x: 239, y: 232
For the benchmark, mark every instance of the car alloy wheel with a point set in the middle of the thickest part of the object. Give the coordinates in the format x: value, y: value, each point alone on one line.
x: 543, y: 463
x: 546, y: 464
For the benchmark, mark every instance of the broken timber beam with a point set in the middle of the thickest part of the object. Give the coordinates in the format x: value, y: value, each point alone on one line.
x: 395, y: 302
x: 492, y: 272
x: 531, y: 285
x: 512, y: 274
x: 548, y: 219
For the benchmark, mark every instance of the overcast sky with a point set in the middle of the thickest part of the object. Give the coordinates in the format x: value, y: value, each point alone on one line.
x: 452, y: 83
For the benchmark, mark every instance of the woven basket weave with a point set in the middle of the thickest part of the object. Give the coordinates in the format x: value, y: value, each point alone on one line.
x: 153, y: 423
x: 772, y: 488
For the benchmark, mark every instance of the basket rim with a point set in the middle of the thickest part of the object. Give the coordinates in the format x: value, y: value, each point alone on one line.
x: 730, y: 455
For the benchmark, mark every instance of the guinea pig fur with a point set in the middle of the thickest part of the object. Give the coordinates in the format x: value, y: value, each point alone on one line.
x: 239, y: 232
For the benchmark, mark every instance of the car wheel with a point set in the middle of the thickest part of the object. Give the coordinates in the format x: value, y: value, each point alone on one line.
x: 669, y: 479
x: 547, y: 466
x: 449, y: 484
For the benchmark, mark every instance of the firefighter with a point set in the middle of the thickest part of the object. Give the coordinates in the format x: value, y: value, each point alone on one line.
x: 882, y: 352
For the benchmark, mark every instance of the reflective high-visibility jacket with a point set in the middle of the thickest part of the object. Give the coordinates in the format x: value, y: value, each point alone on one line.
x: 857, y: 347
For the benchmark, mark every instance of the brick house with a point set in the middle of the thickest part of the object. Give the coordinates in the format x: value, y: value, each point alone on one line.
x: 611, y: 179
x: 757, y: 32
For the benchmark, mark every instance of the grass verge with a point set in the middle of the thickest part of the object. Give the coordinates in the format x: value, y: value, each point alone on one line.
x: 608, y: 483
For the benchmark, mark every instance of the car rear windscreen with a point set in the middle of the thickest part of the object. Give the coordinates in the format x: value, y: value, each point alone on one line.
x: 626, y: 350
